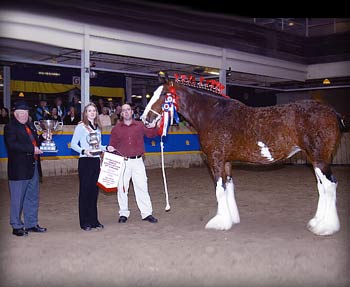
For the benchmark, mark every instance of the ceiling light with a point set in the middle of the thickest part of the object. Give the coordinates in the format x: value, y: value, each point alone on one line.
x: 50, y: 74
x: 93, y: 74
x: 214, y: 72
x: 326, y: 82
x: 21, y: 94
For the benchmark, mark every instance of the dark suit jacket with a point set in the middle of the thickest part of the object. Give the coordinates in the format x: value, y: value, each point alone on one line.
x: 20, y: 150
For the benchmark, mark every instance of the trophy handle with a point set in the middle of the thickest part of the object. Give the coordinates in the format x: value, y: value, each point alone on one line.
x: 37, y: 126
x: 59, y: 125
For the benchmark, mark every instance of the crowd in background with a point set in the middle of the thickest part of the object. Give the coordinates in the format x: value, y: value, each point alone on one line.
x: 109, y: 111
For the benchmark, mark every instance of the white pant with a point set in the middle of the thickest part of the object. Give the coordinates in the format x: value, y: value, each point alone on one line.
x: 135, y: 170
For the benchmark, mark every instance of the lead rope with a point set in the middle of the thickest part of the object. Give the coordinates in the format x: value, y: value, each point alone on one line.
x: 167, y: 207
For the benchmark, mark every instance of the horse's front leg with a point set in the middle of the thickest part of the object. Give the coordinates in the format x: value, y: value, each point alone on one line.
x: 325, y: 221
x: 227, y: 212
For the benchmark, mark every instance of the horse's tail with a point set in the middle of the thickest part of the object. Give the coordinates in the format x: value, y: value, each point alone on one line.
x: 343, y: 123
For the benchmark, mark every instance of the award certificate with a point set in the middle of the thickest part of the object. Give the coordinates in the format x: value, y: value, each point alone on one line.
x: 111, y: 169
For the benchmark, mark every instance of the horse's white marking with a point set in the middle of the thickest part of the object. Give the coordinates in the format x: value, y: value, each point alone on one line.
x: 294, y: 151
x: 325, y: 221
x: 154, y: 98
x: 227, y: 212
x: 265, y: 151
x: 231, y: 201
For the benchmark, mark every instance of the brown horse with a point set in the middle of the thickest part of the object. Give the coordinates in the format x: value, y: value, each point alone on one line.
x: 230, y: 131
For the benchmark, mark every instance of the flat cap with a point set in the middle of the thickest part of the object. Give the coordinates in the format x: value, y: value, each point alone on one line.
x: 21, y: 105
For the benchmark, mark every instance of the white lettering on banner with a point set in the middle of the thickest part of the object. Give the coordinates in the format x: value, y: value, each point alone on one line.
x: 112, y: 166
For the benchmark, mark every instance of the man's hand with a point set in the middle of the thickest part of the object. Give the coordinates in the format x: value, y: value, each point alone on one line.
x: 37, y: 150
x: 110, y: 148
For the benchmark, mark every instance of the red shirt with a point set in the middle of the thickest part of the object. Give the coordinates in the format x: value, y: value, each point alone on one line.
x: 129, y: 140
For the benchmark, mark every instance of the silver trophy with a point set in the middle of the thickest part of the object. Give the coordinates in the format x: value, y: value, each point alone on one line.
x: 48, y: 127
x: 94, y: 140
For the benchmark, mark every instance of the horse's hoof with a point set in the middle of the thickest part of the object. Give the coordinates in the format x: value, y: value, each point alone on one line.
x: 218, y: 223
x: 312, y: 223
x: 322, y: 229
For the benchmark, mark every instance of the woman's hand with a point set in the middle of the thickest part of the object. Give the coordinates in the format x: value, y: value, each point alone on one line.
x: 87, y: 153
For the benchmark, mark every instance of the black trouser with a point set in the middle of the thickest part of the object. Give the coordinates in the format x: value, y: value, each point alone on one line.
x: 89, y: 169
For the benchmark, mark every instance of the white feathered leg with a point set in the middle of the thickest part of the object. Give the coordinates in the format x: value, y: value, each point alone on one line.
x: 321, y: 205
x: 223, y: 219
x: 325, y: 221
x: 231, y: 201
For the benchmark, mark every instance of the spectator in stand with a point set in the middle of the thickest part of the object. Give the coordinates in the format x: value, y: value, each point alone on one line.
x: 118, y: 111
x: 104, y: 118
x: 4, y: 116
x: 61, y: 109
x: 42, y: 112
x: 76, y: 103
x: 54, y: 115
x: 137, y: 113
x: 72, y: 117
x: 100, y: 105
x: 111, y: 107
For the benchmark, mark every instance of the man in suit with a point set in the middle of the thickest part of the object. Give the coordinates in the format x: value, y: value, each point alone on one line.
x: 22, y: 144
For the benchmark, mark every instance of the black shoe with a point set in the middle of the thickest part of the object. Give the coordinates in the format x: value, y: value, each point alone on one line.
x: 122, y: 219
x: 150, y: 218
x: 36, y: 229
x: 98, y: 226
x: 86, y: 228
x: 19, y: 232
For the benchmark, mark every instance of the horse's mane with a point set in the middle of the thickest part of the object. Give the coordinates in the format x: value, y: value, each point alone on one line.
x: 205, y: 92
x: 206, y: 84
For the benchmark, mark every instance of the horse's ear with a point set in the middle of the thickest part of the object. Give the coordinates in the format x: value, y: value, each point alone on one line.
x: 163, y: 77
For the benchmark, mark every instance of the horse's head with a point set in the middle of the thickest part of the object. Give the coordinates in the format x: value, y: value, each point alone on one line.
x: 153, y: 111
x: 161, y: 101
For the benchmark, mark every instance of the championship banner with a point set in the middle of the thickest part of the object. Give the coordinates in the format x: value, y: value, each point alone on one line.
x: 111, y: 169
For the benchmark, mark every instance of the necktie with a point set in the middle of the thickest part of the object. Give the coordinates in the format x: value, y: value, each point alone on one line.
x: 30, y: 134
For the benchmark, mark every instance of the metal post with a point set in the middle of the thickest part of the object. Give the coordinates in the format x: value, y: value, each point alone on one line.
x: 144, y: 99
x: 7, y: 87
x: 222, y: 77
x: 85, y: 71
x: 128, y: 89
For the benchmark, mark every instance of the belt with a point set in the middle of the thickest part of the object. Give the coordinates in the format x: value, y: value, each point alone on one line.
x: 134, y: 157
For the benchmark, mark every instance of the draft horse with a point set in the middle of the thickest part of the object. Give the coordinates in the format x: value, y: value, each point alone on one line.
x: 230, y: 131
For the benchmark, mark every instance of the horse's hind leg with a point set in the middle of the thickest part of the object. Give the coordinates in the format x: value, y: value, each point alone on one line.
x: 325, y: 221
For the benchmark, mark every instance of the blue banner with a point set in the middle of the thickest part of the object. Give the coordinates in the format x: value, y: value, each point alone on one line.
x: 173, y: 143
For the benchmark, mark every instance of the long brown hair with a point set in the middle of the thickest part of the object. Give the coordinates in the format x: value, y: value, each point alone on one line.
x: 96, y: 119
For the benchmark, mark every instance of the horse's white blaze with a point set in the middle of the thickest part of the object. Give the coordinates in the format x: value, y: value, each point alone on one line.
x: 325, y: 221
x: 154, y: 98
x: 265, y: 151
x: 227, y: 212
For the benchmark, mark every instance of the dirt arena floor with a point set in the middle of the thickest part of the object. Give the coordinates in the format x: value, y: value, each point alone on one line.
x: 270, y: 247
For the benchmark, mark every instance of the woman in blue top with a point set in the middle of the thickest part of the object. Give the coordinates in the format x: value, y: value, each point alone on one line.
x: 88, y: 166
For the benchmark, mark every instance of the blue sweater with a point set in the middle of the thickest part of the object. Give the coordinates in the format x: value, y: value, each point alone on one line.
x: 79, y: 140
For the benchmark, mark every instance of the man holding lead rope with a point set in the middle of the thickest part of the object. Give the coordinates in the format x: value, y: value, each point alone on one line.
x: 127, y: 139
